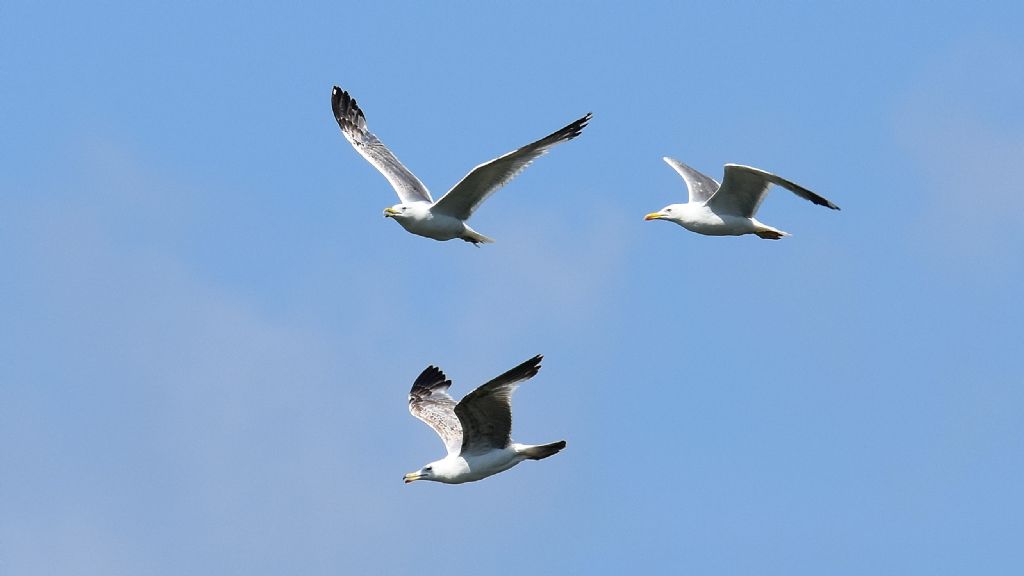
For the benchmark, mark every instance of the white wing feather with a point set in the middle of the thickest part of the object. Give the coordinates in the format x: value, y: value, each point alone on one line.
x: 353, y: 125
x: 464, y: 198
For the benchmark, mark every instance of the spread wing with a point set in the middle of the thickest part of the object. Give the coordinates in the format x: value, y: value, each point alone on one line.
x: 486, y: 413
x: 485, y: 179
x: 429, y: 401
x: 701, y: 187
x: 353, y: 125
x: 743, y: 189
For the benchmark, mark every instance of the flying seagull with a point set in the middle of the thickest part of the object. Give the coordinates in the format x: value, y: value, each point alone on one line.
x: 417, y: 212
x: 728, y: 209
x: 476, y: 431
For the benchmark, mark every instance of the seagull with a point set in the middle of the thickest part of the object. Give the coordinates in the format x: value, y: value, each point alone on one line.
x: 728, y: 209
x: 417, y: 212
x: 476, y: 431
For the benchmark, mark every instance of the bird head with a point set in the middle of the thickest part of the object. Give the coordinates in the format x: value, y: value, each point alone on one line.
x: 425, y: 473
x: 670, y: 212
x: 409, y: 211
x: 397, y: 211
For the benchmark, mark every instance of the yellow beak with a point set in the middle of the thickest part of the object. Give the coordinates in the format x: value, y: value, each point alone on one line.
x: 411, y: 477
x: 389, y: 211
x: 653, y: 216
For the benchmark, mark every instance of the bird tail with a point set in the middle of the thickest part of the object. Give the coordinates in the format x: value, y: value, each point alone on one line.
x: 475, y: 237
x: 769, y: 233
x: 542, y: 452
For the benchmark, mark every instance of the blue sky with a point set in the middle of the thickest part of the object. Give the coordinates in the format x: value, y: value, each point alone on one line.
x: 209, y: 330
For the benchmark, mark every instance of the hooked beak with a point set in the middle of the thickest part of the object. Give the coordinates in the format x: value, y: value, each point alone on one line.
x: 389, y: 212
x: 654, y: 216
x: 412, y: 477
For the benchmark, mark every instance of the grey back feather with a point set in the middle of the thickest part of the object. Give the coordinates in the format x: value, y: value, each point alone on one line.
x: 700, y: 186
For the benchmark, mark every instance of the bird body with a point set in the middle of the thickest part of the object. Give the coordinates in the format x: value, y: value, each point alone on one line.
x: 728, y: 209
x: 473, y: 467
x: 417, y: 212
x: 700, y: 218
x: 477, y: 430
x: 419, y: 219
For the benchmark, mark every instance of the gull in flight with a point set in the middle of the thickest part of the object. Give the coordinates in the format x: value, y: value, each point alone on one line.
x: 728, y: 209
x: 417, y: 212
x: 476, y: 431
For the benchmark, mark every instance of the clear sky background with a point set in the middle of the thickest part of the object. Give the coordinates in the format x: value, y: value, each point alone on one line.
x: 208, y: 331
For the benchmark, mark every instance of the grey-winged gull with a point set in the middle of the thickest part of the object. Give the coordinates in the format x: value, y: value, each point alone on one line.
x: 728, y: 209
x: 417, y: 212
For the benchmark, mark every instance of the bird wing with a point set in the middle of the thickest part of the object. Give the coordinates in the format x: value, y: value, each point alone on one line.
x: 486, y: 413
x: 353, y: 125
x: 429, y: 401
x: 743, y: 189
x: 464, y: 198
x: 701, y: 186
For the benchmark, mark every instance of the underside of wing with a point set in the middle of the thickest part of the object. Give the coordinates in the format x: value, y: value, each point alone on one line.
x: 486, y: 413
x: 353, y: 126
x: 744, y: 187
x: 700, y: 186
x: 429, y: 401
x: 741, y: 192
x: 792, y: 187
x: 486, y: 178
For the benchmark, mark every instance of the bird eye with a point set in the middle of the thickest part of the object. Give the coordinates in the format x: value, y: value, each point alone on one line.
x: 668, y: 209
x: 428, y: 468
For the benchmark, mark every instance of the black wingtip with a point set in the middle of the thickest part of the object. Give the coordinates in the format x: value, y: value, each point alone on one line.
x: 429, y: 380
x: 825, y: 202
x: 346, y: 110
x: 529, y: 368
x: 576, y: 128
x: 337, y: 95
x: 568, y: 132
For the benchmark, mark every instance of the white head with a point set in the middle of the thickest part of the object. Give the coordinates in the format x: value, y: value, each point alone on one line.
x: 416, y: 210
x: 671, y: 212
x: 438, y: 471
x: 425, y: 473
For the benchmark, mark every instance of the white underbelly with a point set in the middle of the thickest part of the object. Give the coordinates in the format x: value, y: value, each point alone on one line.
x: 703, y: 221
x: 438, y: 227
x: 481, y: 466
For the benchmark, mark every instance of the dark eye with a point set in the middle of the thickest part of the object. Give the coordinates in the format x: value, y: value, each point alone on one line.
x: 668, y: 209
x: 428, y: 468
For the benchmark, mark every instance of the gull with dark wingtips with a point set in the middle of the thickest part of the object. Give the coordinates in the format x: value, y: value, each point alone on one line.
x: 417, y: 212
x: 477, y: 430
x: 728, y: 209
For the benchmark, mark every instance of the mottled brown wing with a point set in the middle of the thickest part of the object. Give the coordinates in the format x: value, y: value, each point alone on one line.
x: 429, y: 401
